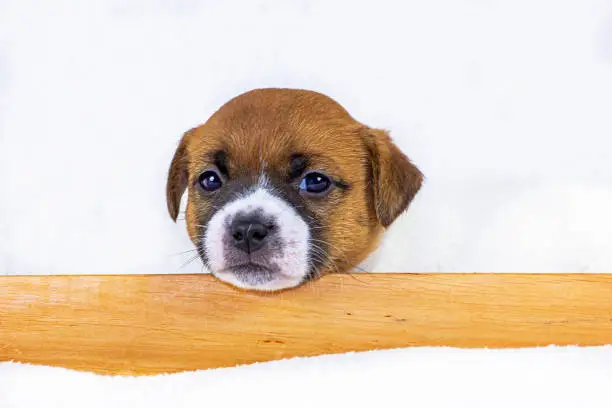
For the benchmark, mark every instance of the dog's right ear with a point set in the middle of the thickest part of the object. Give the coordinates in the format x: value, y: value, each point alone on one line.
x: 395, y: 179
x: 178, y: 177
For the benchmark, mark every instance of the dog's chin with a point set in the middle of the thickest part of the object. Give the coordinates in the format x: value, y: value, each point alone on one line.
x: 257, y: 278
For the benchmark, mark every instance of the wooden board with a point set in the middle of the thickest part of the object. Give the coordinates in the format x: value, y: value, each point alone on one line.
x: 170, y: 323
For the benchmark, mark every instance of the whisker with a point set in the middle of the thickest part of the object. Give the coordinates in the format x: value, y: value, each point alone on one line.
x: 184, y: 252
x: 190, y: 260
x: 340, y: 253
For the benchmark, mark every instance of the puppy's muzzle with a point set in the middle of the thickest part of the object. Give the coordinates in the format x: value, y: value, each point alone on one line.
x: 258, y: 241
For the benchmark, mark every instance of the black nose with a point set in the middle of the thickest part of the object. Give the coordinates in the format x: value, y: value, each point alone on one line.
x: 248, y: 235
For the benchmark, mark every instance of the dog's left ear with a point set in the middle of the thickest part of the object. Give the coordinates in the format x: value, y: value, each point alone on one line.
x: 177, y: 178
x: 395, y: 179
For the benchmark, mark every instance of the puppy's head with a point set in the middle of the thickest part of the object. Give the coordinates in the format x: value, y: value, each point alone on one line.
x: 284, y: 186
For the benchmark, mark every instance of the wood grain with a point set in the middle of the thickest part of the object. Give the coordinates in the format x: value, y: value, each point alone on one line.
x: 170, y: 323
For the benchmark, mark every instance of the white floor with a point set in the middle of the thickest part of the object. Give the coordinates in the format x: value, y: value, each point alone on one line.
x: 559, y: 377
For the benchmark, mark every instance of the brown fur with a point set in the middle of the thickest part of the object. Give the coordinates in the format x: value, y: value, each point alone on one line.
x: 264, y: 127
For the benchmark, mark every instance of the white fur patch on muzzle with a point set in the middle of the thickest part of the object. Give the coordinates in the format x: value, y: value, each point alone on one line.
x: 258, y: 241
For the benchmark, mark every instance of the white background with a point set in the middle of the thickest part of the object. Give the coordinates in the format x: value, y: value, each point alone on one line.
x: 424, y: 377
x: 506, y: 106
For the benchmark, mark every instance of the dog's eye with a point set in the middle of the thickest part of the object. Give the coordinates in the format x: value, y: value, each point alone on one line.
x: 315, y: 183
x: 210, y: 181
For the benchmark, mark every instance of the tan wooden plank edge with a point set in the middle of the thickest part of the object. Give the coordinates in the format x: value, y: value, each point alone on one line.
x: 170, y: 323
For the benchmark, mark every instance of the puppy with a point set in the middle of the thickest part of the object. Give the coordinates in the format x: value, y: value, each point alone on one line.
x: 285, y: 186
